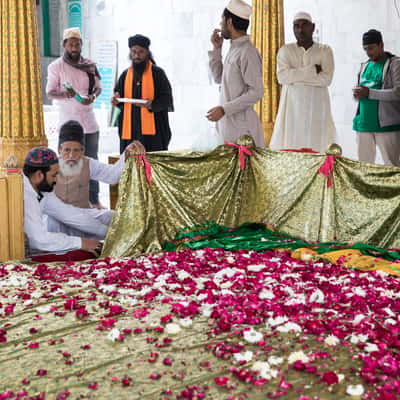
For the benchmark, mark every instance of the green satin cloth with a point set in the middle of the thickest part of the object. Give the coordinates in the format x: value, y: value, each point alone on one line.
x: 280, y: 188
x: 260, y: 238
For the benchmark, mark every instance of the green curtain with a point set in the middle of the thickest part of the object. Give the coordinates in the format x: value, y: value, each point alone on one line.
x: 284, y: 189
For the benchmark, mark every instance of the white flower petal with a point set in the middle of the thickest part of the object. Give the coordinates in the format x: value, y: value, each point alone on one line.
x: 252, y: 336
x: 317, y: 297
x: 266, y: 295
x: 332, y: 340
x: 274, y: 360
x: 113, y: 335
x: 185, y: 322
x: 256, y: 268
x: 43, y: 309
x: 246, y: 356
x: 172, y: 328
x: 355, y: 390
x: 298, y: 356
x: 289, y: 327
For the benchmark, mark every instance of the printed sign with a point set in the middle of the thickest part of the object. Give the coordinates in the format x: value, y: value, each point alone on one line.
x: 75, y: 14
x: 105, y: 54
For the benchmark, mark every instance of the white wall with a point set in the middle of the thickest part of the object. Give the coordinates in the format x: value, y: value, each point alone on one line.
x: 180, y: 31
x: 341, y: 24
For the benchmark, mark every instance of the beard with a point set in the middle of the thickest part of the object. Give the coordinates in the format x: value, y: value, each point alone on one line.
x: 45, y: 186
x: 70, y: 170
x: 139, y: 67
x: 73, y: 56
x: 225, y: 34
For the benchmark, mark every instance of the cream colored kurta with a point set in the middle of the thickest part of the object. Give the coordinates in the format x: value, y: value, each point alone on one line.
x: 241, y: 82
x: 304, y: 117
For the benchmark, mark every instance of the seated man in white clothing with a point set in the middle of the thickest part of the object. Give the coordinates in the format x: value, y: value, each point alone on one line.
x: 76, y: 170
x: 40, y: 175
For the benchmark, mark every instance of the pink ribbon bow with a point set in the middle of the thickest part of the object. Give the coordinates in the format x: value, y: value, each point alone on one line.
x: 243, y: 150
x: 147, y: 167
x: 327, y: 169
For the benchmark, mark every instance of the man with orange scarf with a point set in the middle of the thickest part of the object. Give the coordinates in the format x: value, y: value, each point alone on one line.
x: 145, y: 120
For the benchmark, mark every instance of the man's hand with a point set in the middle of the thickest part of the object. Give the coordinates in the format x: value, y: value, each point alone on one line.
x: 89, y: 100
x: 86, y: 101
x: 92, y: 246
x: 318, y: 68
x: 360, y: 92
x: 215, y: 114
x: 146, y: 105
x: 134, y: 149
x: 114, y: 99
x: 217, y: 39
x: 70, y: 93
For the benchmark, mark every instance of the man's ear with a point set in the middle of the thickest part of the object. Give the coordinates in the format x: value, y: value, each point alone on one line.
x: 37, y: 176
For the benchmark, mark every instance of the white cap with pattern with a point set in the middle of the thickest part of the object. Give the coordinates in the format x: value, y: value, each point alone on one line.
x: 240, y: 8
x: 72, y: 33
x: 302, y: 15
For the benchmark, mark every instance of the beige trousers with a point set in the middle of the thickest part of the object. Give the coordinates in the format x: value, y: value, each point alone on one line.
x: 388, y: 143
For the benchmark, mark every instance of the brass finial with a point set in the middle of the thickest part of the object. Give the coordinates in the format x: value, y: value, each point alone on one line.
x: 245, y: 140
x: 334, y: 150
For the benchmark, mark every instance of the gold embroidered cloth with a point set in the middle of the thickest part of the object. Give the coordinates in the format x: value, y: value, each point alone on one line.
x: 281, y: 188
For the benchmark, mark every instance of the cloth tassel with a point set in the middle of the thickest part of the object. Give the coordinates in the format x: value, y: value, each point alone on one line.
x: 147, y: 167
x: 243, y: 150
x: 327, y: 169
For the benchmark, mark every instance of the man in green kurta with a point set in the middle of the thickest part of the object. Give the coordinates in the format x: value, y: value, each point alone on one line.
x: 377, y: 121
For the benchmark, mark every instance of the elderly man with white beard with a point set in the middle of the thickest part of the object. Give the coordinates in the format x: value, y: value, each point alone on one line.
x: 76, y: 170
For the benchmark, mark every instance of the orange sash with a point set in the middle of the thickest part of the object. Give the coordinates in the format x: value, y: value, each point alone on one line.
x: 147, y: 117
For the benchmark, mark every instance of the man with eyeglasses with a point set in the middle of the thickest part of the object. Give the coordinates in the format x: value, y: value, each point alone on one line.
x: 75, y: 172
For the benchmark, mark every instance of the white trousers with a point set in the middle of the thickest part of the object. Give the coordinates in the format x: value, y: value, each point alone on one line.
x: 388, y: 143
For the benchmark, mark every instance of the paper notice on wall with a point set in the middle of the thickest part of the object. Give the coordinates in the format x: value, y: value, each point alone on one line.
x: 105, y: 54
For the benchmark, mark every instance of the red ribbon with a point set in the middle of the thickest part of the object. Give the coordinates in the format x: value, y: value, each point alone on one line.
x: 302, y: 150
x: 327, y: 169
x: 147, y: 167
x: 243, y: 150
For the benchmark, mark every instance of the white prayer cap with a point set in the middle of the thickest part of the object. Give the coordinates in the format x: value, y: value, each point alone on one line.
x: 302, y: 15
x: 239, y: 8
x: 72, y: 33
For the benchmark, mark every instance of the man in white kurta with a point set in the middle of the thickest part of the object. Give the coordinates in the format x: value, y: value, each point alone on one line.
x: 240, y: 77
x: 40, y: 174
x: 305, y: 70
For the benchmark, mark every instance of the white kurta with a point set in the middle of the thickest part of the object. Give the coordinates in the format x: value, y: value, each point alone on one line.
x: 93, y: 222
x: 35, y: 226
x: 304, y: 117
x: 242, y: 87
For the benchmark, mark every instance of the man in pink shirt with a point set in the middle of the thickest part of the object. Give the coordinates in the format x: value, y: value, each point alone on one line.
x: 74, y: 83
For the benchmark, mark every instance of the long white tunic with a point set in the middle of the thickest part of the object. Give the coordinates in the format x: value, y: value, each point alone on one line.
x: 304, y: 117
x: 35, y: 225
x: 94, y: 223
x: 242, y: 87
